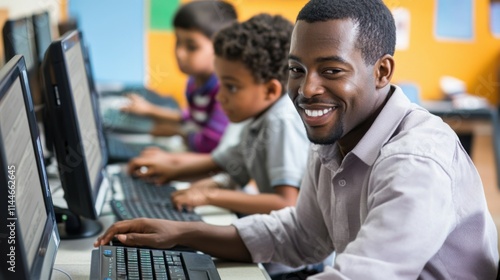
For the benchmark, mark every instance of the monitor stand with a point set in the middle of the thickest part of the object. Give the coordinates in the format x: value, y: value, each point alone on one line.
x: 73, y: 226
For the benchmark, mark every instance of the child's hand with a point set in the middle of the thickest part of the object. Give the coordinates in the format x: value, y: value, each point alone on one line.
x: 137, y: 105
x: 154, y: 165
x: 197, y: 195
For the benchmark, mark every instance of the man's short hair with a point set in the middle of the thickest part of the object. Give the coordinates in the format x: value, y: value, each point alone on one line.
x: 376, y: 30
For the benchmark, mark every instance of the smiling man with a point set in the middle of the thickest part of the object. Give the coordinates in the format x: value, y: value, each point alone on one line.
x: 388, y: 188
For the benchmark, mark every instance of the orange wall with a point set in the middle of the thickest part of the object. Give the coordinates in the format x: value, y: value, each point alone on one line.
x: 423, y: 63
x: 427, y: 59
x: 162, y: 70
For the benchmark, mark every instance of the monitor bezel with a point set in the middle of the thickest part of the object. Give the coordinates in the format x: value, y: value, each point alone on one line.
x: 10, y: 52
x: 35, y: 18
x: 45, y: 259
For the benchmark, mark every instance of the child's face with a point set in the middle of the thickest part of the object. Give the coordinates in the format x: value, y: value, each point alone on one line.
x: 239, y: 95
x: 194, y: 52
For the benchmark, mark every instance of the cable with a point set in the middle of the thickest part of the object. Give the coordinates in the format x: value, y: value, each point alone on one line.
x: 63, y: 272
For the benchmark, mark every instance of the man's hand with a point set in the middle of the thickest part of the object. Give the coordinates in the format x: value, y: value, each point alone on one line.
x: 154, y: 233
x: 218, y: 241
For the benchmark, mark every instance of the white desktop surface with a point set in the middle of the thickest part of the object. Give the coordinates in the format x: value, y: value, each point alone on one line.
x: 74, y: 256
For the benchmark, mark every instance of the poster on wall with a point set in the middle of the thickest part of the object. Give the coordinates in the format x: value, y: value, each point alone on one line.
x: 402, y: 21
x: 495, y: 19
x: 455, y: 20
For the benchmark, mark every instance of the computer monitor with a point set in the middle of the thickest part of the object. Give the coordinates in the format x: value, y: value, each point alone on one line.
x: 29, y: 237
x: 78, y: 142
x: 43, y: 34
x: 19, y: 38
x: 43, y: 38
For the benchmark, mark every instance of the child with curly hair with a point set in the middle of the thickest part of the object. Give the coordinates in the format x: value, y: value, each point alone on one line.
x: 251, y: 63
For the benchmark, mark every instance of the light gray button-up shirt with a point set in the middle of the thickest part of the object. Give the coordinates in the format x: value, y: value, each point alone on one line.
x: 405, y: 203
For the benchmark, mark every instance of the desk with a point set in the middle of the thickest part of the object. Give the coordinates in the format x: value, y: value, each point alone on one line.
x: 74, y: 256
x: 464, y: 121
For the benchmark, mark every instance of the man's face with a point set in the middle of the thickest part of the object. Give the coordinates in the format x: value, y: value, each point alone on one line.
x: 331, y: 86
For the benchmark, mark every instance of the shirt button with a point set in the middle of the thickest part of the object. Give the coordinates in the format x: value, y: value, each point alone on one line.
x: 342, y: 183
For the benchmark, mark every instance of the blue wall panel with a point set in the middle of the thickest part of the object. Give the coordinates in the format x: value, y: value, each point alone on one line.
x: 114, y: 31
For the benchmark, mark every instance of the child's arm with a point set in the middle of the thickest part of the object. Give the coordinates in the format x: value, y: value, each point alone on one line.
x: 142, y: 107
x: 205, y: 140
x: 235, y: 200
x: 161, y: 167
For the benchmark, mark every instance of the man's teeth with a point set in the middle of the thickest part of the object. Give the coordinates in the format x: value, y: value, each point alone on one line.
x: 317, y: 113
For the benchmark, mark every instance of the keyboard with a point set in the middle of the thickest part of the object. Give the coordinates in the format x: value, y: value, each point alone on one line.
x: 115, y: 262
x: 139, y: 190
x: 130, y: 209
x: 120, y: 150
x: 141, y: 199
x: 116, y: 120
x: 149, y: 95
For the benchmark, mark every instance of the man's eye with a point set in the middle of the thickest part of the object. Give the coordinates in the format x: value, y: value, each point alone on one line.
x: 332, y: 71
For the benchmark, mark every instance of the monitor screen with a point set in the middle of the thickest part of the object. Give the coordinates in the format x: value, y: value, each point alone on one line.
x: 43, y: 34
x: 19, y: 38
x: 31, y: 232
x: 78, y: 142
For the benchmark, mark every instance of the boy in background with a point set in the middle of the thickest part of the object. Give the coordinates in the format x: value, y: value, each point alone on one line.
x: 251, y: 64
x: 204, y: 122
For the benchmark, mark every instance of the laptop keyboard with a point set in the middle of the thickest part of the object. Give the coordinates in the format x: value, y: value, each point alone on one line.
x: 139, y: 263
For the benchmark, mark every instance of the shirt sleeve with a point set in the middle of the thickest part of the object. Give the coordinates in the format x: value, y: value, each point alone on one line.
x: 206, y: 139
x: 287, y: 147
x: 232, y: 162
x: 293, y: 236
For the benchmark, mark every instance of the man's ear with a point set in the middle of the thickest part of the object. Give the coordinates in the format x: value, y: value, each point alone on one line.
x: 384, y: 68
x: 274, y: 88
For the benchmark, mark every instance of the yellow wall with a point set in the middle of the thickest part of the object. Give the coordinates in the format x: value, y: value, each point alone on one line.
x: 423, y: 63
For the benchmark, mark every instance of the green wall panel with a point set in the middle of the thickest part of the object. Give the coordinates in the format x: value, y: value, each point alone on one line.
x: 162, y: 14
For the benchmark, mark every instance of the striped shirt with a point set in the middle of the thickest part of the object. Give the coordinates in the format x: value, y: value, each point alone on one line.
x: 206, y: 114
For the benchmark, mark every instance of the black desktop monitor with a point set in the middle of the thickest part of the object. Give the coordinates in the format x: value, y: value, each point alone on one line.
x: 19, y: 38
x: 29, y: 237
x: 43, y: 38
x: 78, y: 141
x: 43, y: 34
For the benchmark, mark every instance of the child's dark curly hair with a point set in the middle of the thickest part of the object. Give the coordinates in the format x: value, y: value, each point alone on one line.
x: 260, y: 43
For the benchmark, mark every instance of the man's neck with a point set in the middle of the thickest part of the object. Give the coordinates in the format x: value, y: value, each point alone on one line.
x: 351, y: 139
